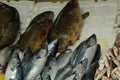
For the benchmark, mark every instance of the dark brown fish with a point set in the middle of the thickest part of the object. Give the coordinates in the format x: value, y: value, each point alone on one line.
x: 68, y: 25
x: 9, y: 25
x: 37, y: 32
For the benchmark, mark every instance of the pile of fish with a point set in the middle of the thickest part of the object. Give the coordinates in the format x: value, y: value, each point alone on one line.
x: 35, y: 55
x: 43, y: 65
x: 110, y: 69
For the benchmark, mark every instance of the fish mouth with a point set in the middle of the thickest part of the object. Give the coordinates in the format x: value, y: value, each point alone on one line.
x: 92, y: 40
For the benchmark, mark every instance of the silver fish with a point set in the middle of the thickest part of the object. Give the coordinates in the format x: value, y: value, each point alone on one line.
x: 14, y: 69
x: 89, y: 55
x: 79, y: 52
x: 80, y: 69
x: 36, y: 64
x: 63, y: 73
x: 50, y: 71
x: 64, y: 58
x: 50, y: 68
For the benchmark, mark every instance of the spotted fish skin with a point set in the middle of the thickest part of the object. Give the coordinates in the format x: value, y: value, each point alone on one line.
x: 9, y: 25
x: 67, y: 26
x: 37, y: 32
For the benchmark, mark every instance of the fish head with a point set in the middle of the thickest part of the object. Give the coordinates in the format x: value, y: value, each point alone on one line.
x: 91, y: 41
x: 52, y: 48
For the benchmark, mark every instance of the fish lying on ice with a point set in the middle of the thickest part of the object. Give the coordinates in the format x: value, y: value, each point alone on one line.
x: 14, y: 69
x: 68, y: 25
x: 36, y: 33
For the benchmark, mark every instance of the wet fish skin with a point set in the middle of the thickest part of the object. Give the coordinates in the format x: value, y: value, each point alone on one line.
x: 97, y: 54
x: 64, y: 58
x: 36, y: 33
x: 50, y: 70
x: 27, y: 56
x: 14, y: 69
x: 34, y: 67
x: 9, y: 25
x: 79, y: 52
x: 67, y: 26
x: 52, y: 49
x: 80, y: 69
x: 51, y: 65
x: 63, y: 73
x: 89, y: 74
x: 93, y: 55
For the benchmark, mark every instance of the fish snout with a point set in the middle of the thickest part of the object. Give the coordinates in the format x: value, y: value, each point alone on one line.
x: 92, y: 40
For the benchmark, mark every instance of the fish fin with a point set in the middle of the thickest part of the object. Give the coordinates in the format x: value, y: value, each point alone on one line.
x: 85, y: 15
x: 97, y: 54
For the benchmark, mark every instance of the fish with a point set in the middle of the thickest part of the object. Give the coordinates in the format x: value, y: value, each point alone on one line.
x: 64, y: 58
x: 90, y: 72
x: 50, y: 70
x: 80, y: 69
x: 63, y: 73
x: 81, y: 49
x: 27, y: 55
x: 67, y: 25
x: 50, y: 67
x: 9, y: 25
x: 36, y: 33
x: 92, y: 55
x: 14, y: 69
x: 34, y: 67
x: 89, y: 55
